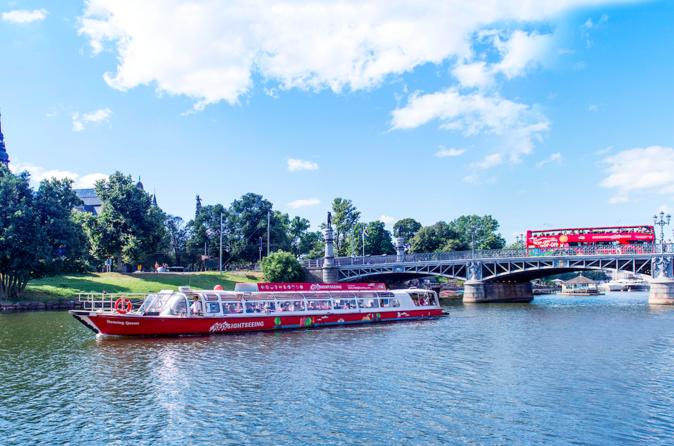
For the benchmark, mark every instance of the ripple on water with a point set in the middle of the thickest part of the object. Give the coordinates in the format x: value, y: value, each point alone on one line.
x: 557, y: 371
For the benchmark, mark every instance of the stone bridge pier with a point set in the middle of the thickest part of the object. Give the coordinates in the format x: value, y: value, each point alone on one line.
x: 662, y: 284
x: 475, y: 290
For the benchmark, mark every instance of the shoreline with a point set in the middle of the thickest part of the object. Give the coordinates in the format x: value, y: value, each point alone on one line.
x: 26, y: 306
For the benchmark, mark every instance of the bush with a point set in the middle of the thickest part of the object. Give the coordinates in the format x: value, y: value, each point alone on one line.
x: 282, y: 266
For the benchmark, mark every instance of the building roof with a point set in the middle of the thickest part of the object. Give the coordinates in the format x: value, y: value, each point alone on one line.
x: 580, y: 280
x: 90, y: 201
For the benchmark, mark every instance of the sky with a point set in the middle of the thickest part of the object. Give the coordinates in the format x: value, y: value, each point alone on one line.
x: 544, y: 114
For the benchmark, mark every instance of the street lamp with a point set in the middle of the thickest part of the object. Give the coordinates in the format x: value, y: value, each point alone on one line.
x: 519, y: 239
x: 662, y: 220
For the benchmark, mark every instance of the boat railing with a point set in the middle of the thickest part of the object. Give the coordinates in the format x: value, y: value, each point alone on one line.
x: 106, y: 301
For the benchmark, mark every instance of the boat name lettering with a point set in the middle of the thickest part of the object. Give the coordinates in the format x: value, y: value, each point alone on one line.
x: 225, y: 326
x: 114, y: 322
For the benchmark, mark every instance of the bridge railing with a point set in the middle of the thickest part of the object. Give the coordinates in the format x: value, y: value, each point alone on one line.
x: 499, y: 253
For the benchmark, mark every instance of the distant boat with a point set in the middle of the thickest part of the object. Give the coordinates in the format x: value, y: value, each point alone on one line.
x: 625, y: 282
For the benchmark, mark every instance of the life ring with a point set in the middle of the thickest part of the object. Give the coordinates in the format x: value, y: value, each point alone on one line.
x: 123, y: 305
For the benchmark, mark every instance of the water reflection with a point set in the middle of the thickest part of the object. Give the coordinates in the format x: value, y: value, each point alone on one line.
x: 558, y: 370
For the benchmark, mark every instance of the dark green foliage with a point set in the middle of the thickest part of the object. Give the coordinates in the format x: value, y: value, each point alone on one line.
x: 457, y: 235
x: 406, y: 228
x: 67, y: 245
x: 129, y: 229
x: 345, y: 216
x: 22, y: 238
x: 282, y: 266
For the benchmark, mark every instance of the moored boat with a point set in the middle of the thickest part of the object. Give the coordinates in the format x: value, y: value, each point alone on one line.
x: 256, y: 307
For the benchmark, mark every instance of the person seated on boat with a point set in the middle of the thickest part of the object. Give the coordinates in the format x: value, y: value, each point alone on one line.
x: 195, y: 308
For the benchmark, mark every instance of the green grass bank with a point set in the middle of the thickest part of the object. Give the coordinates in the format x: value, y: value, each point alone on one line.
x: 69, y: 285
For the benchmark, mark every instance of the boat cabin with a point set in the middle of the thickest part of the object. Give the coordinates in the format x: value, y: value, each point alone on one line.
x: 235, y: 303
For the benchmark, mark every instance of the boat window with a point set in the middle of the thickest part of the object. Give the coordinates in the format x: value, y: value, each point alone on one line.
x: 324, y: 304
x: 211, y: 298
x: 153, y: 304
x: 385, y: 294
x: 232, y: 308
x: 290, y: 305
x: 345, y: 303
x: 390, y: 302
x: 260, y: 307
x: 368, y: 302
x: 175, y: 306
x: 416, y: 298
x: 430, y: 298
x: 212, y: 307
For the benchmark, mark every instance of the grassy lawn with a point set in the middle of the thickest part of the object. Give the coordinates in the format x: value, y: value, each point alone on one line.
x: 67, y: 286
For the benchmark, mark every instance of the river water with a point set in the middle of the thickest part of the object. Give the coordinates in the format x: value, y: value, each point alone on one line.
x: 560, y: 370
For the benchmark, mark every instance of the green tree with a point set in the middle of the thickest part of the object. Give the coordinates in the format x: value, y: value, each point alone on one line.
x: 378, y: 239
x: 439, y: 237
x: 344, y: 216
x: 204, y: 233
x: 247, y: 222
x: 282, y: 266
x: 129, y: 229
x: 67, y: 247
x: 485, y: 228
x: 406, y: 228
x: 177, y: 233
x: 22, y: 239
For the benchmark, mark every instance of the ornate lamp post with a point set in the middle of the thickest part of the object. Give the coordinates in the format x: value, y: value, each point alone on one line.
x: 662, y: 220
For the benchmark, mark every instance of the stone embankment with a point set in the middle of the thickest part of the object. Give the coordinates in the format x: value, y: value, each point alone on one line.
x: 15, y: 307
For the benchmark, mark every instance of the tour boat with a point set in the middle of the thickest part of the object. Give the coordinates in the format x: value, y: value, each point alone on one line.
x: 256, y: 307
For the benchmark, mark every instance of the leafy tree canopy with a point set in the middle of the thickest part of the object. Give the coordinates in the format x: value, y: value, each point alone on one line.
x: 282, y: 266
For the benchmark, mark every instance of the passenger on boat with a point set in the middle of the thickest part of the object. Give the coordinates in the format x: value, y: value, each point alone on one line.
x: 195, y: 308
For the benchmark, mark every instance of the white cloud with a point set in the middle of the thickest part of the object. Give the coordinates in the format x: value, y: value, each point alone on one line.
x: 489, y: 161
x: 475, y: 74
x: 448, y: 152
x: 521, y: 52
x: 639, y: 170
x: 553, y: 158
x: 22, y: 16
x: 518, y: 125
x: 295, y: 165
x: 211, y: 51
x: 81, y: 120
x: 39, y: 173
x: 387, y: 219
x: 302, y: 203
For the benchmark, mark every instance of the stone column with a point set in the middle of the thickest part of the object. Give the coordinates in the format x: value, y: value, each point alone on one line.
x: 400, y: 249
x: 662, y: 284
x: 473, y: 291
x: 330, y: 271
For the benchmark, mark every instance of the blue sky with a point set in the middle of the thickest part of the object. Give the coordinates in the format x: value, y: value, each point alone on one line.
x: 548, y: 115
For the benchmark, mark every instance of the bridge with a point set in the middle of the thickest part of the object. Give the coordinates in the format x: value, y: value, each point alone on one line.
x: 502, y: 275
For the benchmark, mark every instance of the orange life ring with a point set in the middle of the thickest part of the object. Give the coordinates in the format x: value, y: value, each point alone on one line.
x: 123, y: 305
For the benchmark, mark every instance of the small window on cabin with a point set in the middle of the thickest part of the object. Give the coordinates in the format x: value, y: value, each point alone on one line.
x: 368, y: 302
x: 416, y: 298
x: 345, y: 304
x: 212, y: 307
x: 290, y: 305
x: 211, y: 298
x: 390, y: 302
x: 253, y: 307
x: 232, y: 308
x: 319, y: 305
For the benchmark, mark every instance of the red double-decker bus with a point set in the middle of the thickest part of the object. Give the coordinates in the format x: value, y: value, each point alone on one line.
x: 576, y: 237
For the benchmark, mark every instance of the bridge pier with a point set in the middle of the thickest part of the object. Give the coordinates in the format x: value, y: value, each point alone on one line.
x: 662, y: 284
x: 661, y: 292
x: 477, y: 291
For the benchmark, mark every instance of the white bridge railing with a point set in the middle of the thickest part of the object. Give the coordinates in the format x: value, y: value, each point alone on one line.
x: 596, y: 250
x: 106, y: 301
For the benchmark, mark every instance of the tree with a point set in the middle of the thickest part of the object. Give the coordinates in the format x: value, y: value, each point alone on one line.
x: 67, y: 245
x: 439, y: 237
x: 486, y: 231
x: 129, y: 229
x: 247, y: 222
x: 204, y: 233
x: 22, y: 239
x: 177, y: 232
x: 344, y: 216
x: 282, y: 266
x: 378, y: 239
x: 406, y: 228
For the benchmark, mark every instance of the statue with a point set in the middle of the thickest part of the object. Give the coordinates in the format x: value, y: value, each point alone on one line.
x: 329, y: 218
